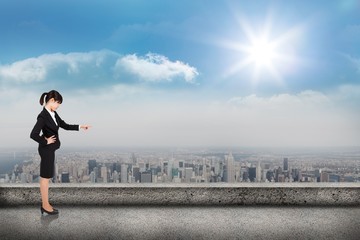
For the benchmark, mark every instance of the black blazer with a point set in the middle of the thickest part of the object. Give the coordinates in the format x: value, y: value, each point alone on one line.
x: 46, y: 124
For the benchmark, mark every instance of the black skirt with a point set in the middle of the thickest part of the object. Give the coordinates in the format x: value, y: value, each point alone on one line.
x: 47, y: 159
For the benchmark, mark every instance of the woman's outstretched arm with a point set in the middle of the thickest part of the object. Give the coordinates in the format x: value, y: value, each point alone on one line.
x: 64, y: 125
x: 74, y: 127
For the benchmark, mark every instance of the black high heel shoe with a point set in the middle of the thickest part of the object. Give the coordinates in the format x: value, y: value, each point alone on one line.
x: 55, y: 211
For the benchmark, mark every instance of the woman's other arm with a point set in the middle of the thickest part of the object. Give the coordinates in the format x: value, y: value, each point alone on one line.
x: 35, y: 133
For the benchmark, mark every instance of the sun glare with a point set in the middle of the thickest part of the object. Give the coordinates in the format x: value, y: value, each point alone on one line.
x: 270, y: 57
x: 262, y: 52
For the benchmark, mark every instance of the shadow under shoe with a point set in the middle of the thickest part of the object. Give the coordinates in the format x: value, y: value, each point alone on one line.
x: 47, y: 219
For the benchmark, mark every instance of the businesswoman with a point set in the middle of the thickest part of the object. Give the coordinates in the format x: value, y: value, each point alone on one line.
x: 48, y: 121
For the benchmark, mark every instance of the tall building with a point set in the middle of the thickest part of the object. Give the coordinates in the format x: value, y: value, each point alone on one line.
x: 23, y: 177
x: 169, y: 169
x: 13, y: 177
x: 258, y: 172
x: 204, y: 173
x: 7, y: 179
x: 317, y: 175
x: 142, y: 166
x: 217, y: 168
x: 188, y: 174
x: 281, y: 178
x: 65, y: 177
x: 118, y: 167
x: 104, y: 174
x: 116, y: 177
x: 133, y: 159
x: 324, y: 177
x: 146, y: 177
x: 270, y: 175
x: 92, y: 165
x: 278, y: 171
x: 96, y: 171
x: 252, y: 174
x: 286, y: 164
x: 229, y: 161
x: 295, y: 173
x: 92, y: 177
x: 136, y: 174
x: 243, y: 170
x: 124, y: 173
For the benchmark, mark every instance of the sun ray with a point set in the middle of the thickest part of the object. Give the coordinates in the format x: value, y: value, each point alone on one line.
x: 269, y: 56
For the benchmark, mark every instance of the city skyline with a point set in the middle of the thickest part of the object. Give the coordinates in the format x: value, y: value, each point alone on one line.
x: 189, y: 73
x: 189, y: 166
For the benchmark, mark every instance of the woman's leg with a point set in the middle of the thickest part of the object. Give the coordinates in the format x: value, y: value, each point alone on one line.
x: 44, y: 190
x: 46, y: 171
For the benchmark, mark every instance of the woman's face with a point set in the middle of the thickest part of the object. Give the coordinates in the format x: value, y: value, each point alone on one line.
x: 53, y: 105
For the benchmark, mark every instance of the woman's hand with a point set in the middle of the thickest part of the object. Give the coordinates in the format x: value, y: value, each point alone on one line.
x: 85, y: 127
x: 51, y: 139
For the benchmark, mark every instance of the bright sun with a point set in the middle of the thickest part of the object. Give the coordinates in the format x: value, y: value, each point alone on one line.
x: 262, y: 52
x: 269, y: 56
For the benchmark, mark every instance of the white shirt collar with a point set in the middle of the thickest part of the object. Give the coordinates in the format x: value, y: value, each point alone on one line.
x: 52, y: 114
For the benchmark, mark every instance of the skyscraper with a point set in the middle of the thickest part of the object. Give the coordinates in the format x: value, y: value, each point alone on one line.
x: 115, y: 177
x: 188, y: 174
x: 23, y: 177
x: 92, y: 177
x: 92, y: 165
x: 133, y: 159
x: 296, y: 174
x: 324, y: 177
x: 229, y: 161
x: 146, y: 177
x: 278, y: 171
x: 169, y: 169
x: 13, y: 177
x: 258, y: 172
x: 104, y: 174
x: 136, y: 174
x: 65, y: 177
x: 124, y: 173
x: 286, y: 164
x: 270, y: 175
x: 252, y: 174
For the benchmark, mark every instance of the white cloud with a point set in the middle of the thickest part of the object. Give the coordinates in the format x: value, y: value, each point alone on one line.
x: 46, y: 66
x: 306, y: 100
x: 156, y: 68
x: 308, y: 118
x: 100, y: 67
x: 29, y: 70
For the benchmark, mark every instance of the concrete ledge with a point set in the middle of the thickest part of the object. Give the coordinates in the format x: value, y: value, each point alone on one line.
x: 300, y: 194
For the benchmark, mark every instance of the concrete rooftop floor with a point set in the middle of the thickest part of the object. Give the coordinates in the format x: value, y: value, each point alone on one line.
x: 183, y: 222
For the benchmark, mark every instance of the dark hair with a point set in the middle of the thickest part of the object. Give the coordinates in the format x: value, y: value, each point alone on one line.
x: 49, y: 95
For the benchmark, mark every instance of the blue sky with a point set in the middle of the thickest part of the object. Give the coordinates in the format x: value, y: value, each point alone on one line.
x: 240, y: 73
